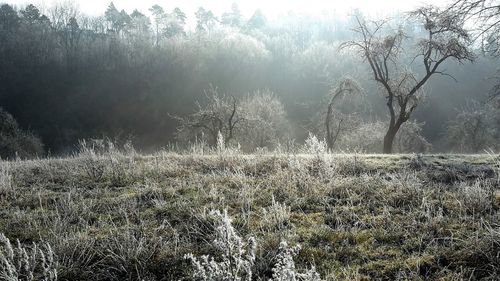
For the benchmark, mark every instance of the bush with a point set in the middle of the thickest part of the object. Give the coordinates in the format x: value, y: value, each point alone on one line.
x: 15, y: 142
x: 237, y: 257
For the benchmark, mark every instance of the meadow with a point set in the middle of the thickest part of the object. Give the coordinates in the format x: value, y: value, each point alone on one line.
x: 120, y: 215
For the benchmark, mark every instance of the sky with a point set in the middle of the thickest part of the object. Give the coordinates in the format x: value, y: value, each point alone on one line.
x: 271, y: 8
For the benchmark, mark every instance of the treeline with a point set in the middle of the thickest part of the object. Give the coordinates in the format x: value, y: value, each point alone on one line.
x: 66, y: 76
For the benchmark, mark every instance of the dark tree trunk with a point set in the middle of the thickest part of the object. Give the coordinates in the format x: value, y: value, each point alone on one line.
x: 391, y: 135
x: 389, y: 141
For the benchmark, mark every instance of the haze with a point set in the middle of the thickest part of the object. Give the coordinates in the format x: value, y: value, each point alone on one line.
x: 272, y: 9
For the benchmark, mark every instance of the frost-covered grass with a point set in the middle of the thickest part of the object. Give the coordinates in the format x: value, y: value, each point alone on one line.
x: 115, y: 215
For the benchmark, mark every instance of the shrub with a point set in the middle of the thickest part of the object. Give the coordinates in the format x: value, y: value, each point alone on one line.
x: 276, y: 217
x: 237, y: 257
x: 315, y: 146
x: 284, y: 269
x: 15, y: 142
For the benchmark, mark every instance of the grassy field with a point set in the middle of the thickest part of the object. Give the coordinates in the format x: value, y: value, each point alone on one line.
x: 118, y: 216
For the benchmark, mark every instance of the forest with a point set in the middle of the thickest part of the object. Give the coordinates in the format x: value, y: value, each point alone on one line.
x: 168, y: 79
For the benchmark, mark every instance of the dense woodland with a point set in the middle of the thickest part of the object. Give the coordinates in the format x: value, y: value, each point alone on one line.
x: 154, y: 78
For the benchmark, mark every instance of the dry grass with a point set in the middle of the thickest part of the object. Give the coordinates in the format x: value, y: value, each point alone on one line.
x: 123, y: 216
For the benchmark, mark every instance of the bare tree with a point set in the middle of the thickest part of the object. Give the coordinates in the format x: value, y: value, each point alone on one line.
x: 220, y: 114
x: 337, y: 122
x: 445, y: 39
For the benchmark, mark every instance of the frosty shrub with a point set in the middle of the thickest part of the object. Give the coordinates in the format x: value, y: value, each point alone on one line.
x: 266, y: 123
x: 90, y: 153
x: 284, y: 268
x: 276, y: 216
x: 101, y: 157
x: 237, y: 259
x: 315, y: 146
x: 20, y: 263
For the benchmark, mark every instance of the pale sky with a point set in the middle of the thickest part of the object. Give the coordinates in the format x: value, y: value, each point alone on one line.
x: 271, y: 9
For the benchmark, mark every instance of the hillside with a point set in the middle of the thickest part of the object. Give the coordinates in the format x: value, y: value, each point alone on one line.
x: 124, y: 216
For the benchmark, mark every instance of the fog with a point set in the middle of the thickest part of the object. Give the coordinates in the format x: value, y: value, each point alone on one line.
x: 160, y: 77
x: 272, y: 9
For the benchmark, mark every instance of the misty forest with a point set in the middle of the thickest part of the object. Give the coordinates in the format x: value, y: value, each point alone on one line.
x: 160, y: 144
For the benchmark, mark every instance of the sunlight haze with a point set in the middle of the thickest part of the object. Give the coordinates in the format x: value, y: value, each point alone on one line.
x: 272, y: 9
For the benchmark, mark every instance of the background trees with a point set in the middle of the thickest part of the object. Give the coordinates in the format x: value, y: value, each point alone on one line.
x: 69, y: 76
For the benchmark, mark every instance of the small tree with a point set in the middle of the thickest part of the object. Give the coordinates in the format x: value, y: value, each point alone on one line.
x: 445, y: 39
x: 220, y: 114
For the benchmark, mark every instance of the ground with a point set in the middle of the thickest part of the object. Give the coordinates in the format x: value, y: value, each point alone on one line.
x: 124, y: 216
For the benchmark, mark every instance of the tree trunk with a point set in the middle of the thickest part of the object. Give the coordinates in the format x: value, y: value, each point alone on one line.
x: 389, y: 139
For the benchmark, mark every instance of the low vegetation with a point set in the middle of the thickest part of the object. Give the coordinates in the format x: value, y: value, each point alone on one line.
x: 112, y: 214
